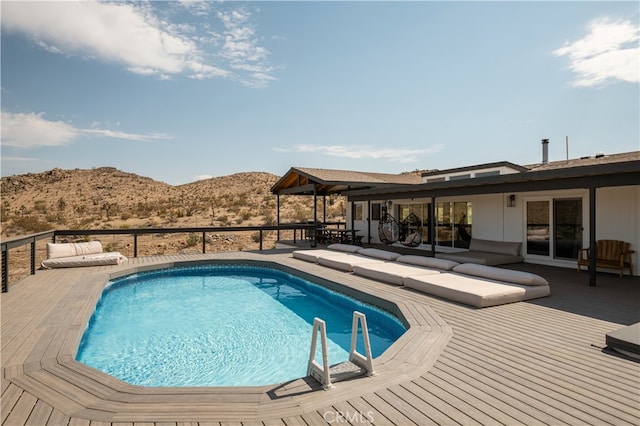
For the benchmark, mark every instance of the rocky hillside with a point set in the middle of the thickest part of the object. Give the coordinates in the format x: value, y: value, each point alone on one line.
x: 105, y: 197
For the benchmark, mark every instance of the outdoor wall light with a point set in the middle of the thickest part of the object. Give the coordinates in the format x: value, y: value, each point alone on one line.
x: 511, y: 200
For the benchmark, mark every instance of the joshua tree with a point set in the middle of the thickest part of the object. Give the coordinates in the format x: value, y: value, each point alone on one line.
x: 106, y: 207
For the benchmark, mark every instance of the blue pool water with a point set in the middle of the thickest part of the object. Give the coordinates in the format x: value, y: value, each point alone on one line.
x: 221, y: 325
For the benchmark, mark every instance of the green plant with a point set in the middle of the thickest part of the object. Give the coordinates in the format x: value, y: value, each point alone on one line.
x: 113, y: 246
x: 193, y: 239
x: 32, y: 224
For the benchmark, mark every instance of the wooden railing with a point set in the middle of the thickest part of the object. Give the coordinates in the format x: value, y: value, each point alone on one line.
x: 53, y: 234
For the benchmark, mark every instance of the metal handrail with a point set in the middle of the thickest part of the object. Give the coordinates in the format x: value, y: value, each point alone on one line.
x: 31, y: 239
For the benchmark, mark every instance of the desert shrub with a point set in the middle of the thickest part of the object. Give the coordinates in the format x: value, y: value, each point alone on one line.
x: 192, y: 239
x: 113, y: 246
x: 302, y: 214
x: 125, y: 216
x: 86, y: 221
x: 269, y: 219
x: 32, y: 224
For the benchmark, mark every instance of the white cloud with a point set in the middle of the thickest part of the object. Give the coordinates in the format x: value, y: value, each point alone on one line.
x: 202, y: 177
x: 241, y: 48
x: 197, y: 7
x: 29, y: 130
x: 116, y: 134
x: 609, y: 52
x: 400, y: 155
x: 133, y: 35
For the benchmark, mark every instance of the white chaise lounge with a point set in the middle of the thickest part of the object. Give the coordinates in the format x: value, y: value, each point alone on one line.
x: 469, y: 283
x: 345, y: 256
x: 487, y: 252
x: 72, y: 255
x: 481, y: 286
x: 404, y: 267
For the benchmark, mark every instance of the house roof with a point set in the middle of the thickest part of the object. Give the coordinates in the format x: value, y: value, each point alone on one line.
x: 476, y: 167
x: 593, y: 172
x: 586, y: 172
x: 304, y: 181
x: 586, y: 161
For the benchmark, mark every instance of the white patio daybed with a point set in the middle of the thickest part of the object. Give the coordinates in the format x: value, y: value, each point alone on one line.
x: 469, y: 283
x: 487, y: 252
x: 345, y: 256
x: 72, y: 255
x: 481, y: 286
x: 404, y: 267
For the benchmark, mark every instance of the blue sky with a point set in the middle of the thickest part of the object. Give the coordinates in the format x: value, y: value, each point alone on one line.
x: 179, y: 91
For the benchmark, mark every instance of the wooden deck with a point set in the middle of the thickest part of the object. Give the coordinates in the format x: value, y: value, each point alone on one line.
x: 537, y: 362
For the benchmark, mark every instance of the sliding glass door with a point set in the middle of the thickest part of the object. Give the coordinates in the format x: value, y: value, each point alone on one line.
x: 538, y: 228
x: 554, y: 227
x: 567, y: 227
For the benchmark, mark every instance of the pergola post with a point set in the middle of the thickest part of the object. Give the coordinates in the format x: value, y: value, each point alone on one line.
x: 593, y: 251
x: 314, y: 241
x: 278, y: 219
x: 432, y: 225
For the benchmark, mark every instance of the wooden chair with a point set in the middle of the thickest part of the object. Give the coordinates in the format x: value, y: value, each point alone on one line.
x: 611, y: 254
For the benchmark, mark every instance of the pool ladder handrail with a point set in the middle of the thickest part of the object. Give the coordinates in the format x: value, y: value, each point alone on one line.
x: 322, y: 373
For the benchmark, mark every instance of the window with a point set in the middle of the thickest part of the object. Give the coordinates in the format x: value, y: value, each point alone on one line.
x: 491, y: 173
x: 358, y: 213
x: 554, y: 227
x: 376, y: 211
x: 460, y: 177
x: 567, y: 227
x: 454, y: 223
x: 422, y: 211
x: 538, y: 228
x: 436, y: 179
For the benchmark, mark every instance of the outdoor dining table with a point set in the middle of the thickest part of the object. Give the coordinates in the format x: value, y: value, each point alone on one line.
x: 341, y: 235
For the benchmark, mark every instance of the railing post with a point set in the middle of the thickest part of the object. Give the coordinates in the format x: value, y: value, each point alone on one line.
x: 204, y: 242
x: 261, y: 240
x: 5, y: 270
x: 135, y: 244
x: 33, y: 257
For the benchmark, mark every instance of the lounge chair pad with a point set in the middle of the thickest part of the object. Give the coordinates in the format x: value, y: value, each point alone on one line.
x: 96, y: 259
x: 474, y: 291
x: 390, y: 272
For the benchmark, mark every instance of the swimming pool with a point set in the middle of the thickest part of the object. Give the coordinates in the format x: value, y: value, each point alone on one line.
x: 221, y: 325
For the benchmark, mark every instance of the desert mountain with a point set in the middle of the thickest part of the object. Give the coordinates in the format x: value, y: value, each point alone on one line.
x: 106, y: 197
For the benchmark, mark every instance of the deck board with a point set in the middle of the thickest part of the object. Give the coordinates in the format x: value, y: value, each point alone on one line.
x: 535, y: 362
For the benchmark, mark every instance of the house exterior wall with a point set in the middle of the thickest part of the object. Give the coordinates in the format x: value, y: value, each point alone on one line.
x: 617, y: 217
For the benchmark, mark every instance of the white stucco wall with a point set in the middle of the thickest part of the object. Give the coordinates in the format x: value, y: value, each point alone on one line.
x: 618, y: 216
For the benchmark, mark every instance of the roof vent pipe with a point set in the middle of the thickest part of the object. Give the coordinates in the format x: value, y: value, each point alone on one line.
x: 545, y: 151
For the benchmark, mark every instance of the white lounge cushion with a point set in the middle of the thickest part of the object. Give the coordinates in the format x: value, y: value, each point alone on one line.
x: 346, y: 261
x: 474, y: 291
x: 313, y: 255
x: 95, y: 259
x: 500, y: 247
x: 391, y: 272
x: 429, y: 262
x: 499, y: 274
x: 379, y: 254
x: 347, y: 248
x: 57, y: 250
